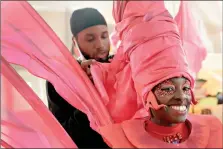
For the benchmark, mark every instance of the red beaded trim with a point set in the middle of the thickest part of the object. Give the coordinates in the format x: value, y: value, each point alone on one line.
x: 177, y: 138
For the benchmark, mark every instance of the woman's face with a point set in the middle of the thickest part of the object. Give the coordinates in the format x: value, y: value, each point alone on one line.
x: 175, y: 93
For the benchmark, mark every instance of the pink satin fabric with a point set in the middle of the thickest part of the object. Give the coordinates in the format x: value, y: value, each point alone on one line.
x: 150, y: 52
x: 206, y: 132
x: 189, y: 31
x: 26, y: 122
x: 28, y: 41
x: 190, y: 34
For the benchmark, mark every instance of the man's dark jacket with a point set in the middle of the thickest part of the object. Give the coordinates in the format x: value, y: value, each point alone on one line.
x: 73, y: 121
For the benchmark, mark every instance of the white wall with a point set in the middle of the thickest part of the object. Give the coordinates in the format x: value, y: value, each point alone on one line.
x: 59, y: 22
x: 213, y: 62
x: 37, y: 84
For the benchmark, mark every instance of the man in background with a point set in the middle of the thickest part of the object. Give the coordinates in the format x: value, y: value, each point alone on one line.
x: 91, y: 37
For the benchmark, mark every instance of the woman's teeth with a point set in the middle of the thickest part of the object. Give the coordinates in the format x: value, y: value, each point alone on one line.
x: 179, y: 108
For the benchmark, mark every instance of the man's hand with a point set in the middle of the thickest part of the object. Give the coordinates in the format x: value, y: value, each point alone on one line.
x: 85, y: 65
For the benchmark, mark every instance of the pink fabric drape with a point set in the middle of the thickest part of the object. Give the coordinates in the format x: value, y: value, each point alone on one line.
x: 188, y: 26
x: 150, y: 52
x: 190, y: 34
x: 28, y: 41
x: 26, y: 122
x: 114, y: 40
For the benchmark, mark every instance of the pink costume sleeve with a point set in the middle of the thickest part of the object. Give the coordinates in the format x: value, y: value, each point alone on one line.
x: 28, y: 41
x: 25, y: 120
x: 190, y: 34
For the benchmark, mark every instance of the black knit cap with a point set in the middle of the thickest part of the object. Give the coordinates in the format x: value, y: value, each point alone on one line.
x: 84, y: 18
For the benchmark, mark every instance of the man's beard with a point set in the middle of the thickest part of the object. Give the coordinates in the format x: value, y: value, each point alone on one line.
x: 87, y: 57
x: 102, y: 60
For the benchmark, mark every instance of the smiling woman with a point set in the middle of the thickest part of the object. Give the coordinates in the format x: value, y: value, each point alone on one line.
x: 175, y: 93
x: 167, y: 123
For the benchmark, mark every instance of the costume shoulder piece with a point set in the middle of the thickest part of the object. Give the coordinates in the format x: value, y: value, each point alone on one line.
x: 205, y: 127
x: 132, y: 134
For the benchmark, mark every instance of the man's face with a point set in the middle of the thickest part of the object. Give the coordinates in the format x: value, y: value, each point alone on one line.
x: 94, y: 42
